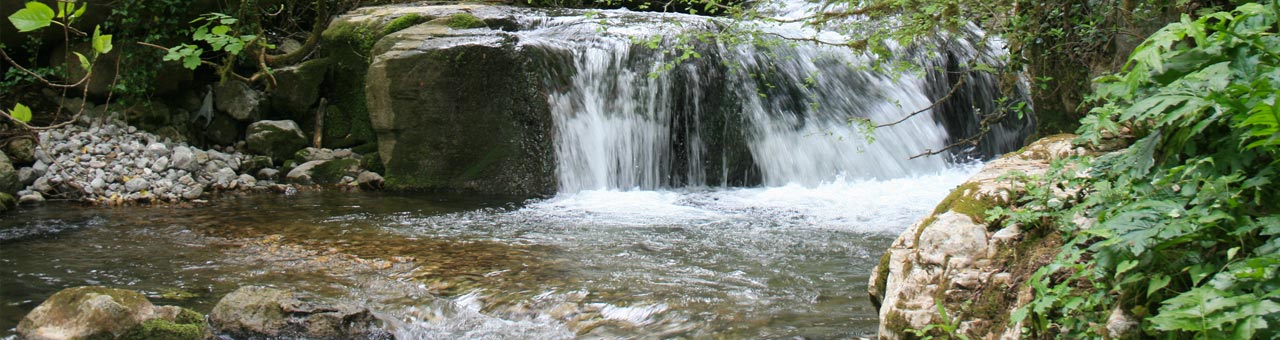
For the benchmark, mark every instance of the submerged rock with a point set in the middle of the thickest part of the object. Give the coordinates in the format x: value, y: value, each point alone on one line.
x: 101, y: 312
x: 255, y: 312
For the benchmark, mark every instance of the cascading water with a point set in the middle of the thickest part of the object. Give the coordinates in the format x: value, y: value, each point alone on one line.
x: 629, y: 116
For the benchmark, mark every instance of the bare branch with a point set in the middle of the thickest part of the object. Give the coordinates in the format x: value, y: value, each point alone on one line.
x: 954, y: 87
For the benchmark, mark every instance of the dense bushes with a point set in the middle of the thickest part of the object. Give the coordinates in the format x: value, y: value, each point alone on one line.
x: 1177, y: 231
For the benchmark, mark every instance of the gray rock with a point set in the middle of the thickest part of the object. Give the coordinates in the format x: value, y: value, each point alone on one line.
x: 32, y: 198
x: 184, y: 159
x: 268, y: 174
x: 158, y: 149
x: 224, y: 177
x: 313, y: 154
x: 302, y: 173
x: 247, y: 181
x: 26, y: 176
x: 343, y: 154
x: 97, y: 184
x: 258, y: 312
x: 237, y: 99
x: 224, y: 130
x: 369, y: 180
x: 298, y: 87
x: 137, y: 184
x: 193, y: 192
x: 160, y: 164
x: 278, y: 139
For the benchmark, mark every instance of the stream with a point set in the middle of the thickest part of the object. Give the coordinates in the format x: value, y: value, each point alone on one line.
x: 770, y: 262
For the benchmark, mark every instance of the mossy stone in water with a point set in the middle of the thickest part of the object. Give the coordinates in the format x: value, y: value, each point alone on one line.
x: 187, y: 325
x: 332, y: 171
x: 7, y: 202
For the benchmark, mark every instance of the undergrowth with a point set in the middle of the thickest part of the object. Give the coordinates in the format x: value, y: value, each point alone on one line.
x: 1177, y: 231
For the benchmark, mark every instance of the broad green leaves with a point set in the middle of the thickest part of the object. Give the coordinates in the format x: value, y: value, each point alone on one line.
x: 101, y: 42
x: 35, y: 16
x: 21, y: 113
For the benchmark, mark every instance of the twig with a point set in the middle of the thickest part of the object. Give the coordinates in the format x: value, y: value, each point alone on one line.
x: 955, y: 87
x: 38, y: 77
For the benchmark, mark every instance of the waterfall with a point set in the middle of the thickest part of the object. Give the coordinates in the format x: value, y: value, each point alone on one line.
x: 628, y: 116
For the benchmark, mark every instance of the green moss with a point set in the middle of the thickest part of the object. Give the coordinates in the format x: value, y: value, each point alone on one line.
x: 403, y: 23
x: 372, y: 162
x: 332, y: 171
x: 7, y: 202
x: 961, y: 200
x: 882, y: 279
x: 464, y: 21
x: 76, y: 296
x: 157, y: 329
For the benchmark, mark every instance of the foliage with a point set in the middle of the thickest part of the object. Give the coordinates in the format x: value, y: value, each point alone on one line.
x: 218, y: 31
x: 1186, y: 217
x: 35, y: 16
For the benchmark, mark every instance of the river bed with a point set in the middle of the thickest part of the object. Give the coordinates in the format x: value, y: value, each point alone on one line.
x: 777, y: 262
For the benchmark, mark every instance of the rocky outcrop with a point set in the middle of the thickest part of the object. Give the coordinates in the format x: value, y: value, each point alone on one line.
x: 278, y: 139
x: 955, y: 259
x: 101, y: 312
x: 256, y: 312
x: 458, y: 109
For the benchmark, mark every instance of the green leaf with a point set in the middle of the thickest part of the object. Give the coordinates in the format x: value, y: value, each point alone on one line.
x: 35, y: 16
x: 1157, y: 283
x: 220, y: 30
x: 101, y: 42
x: 79, y: 12
x: 1125, y: 266
x: 21, y: 113
x: 84, y: 61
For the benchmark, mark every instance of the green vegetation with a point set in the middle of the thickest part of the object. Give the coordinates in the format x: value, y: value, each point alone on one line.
x: 1179, y: 229
x: 464, y: 21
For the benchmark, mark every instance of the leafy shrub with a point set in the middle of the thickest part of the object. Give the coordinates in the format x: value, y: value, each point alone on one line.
x: 1179, y: 229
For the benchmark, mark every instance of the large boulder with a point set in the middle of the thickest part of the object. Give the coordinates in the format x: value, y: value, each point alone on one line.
x: 8, y: 175
x: 258, y: 312
x: 298, y: 88
x: 237, y: 99
x: 278, y: 139
x: 101, y: 312
x: 21, y: 151
x: 975, y: 268
x: 461, y: 110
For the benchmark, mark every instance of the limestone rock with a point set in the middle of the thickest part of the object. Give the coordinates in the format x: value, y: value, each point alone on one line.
x: 955, y: 254
x: 237, y: 99
x: 256, y: 312
x: 278, y: 139
x: 184, y: 158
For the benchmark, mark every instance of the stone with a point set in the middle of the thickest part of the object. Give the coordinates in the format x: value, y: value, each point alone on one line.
x: 247, y: 181
x: 268, y: 174
x: 262, y: 312
x: 32, y: 198
x: 237, y: 100
x: 314, y: 154
x: 254, y: 164
x: 193, y: 192
x: 224, y: 177
x: 278, y: 139
x: 158, y: 150
x: 1120, y: 324
x: 21, y: 151
x: 9, y: 182
x: 474, y: 119
x: 223, y: 130
x: 302, y: 174
x: 137, y: 184
x: 26, y: 176
x: 184, y: 159
x: 298, y: 88
x: 369, y: 180
x: 332, y: 172
x: 101, y: 312
x: 160, y: 164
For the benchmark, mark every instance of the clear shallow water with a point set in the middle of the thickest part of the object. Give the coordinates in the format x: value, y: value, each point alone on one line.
x: 697, y: 263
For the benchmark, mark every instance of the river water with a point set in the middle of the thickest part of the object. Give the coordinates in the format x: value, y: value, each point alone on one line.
x: 770, y: 262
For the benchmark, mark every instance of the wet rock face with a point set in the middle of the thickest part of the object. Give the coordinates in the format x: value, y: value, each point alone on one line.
x: 957, y: 258
x: 101, y: 312
x: 256, y: 312
x: 461, y: 110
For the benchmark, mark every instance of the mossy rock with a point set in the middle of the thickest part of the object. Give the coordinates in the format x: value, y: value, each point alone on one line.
x: 331, y: 172
x: 7, y: 202
x: 104, y: 313
x: 8, y: 176
x: 277, y: 139
x: 187, y: 325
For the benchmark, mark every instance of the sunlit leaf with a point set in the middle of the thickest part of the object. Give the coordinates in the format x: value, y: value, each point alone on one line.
x: 21, y: 113
x: 35, y: 16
